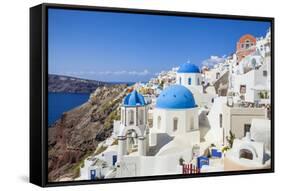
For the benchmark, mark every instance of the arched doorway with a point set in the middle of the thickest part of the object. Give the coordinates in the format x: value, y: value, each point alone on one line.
x: 246, y: 153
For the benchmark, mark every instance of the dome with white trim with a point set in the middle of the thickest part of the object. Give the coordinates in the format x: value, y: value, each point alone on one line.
x: 188, y: 68
x: 134, y: 99
x: 176, y: 97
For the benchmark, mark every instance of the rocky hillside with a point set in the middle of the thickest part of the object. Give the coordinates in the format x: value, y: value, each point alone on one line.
x: 77, y: 133
x: 58, y: 83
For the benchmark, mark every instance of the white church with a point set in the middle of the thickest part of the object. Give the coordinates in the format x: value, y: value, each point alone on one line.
x: 144, y: 151
x: 189, y: 75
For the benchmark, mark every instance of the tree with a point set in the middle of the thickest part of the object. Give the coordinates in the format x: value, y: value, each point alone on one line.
x: 230, y: 139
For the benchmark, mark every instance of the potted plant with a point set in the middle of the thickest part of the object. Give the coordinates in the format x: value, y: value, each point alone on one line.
x: 181, y: 161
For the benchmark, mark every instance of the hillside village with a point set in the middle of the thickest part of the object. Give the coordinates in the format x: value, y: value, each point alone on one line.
x: 193, y: 120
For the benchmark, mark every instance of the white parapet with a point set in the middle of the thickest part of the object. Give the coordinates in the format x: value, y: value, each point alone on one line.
x: 122, y: 148
x: 141, y: 146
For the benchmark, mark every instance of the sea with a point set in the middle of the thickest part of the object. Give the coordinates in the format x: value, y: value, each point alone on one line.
x: 58, y: 103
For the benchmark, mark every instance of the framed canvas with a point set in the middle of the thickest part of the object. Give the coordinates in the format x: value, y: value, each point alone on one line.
x: 121, y: 95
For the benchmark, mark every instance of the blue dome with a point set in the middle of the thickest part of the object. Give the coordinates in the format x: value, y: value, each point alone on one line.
x: 134, y: 99
x: 175, y: 97
x: 188, y: 68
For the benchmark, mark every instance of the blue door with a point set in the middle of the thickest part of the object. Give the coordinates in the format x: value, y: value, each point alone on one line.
x: 93, y: 174
x: 114, y: 159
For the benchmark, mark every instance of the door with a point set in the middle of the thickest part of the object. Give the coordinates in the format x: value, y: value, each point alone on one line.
x: 93, y: 174
x: 114, y: 159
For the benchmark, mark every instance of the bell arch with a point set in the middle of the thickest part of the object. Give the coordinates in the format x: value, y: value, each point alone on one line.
x: 125, y: 129
x: 124, y: 143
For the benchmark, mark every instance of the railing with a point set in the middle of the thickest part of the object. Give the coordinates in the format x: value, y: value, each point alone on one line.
x: 190, y: 169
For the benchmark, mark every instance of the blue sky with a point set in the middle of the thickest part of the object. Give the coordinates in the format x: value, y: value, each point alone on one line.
x: 133, y: 47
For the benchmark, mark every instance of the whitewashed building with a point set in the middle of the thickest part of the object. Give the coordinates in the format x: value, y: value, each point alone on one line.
x: 176, y: 113
x: 189, y: 75
x: 133, y: 125
x: 249, y: 85
x: 174, y: 133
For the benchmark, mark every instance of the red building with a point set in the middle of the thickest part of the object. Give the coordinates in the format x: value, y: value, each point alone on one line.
x: 245, y: 46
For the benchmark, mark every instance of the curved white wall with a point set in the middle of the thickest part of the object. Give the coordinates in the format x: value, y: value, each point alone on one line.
x: 187, y: 120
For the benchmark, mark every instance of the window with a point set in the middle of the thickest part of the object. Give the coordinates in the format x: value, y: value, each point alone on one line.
x: 175, y: 124
x: 189, y: 81
x: 264, y: 73
x: 242, y: 45
x: 159, y: 122
x: 141, y: 117
x: 220, y: 120
x: 191, y: 123
x: 131, y: 117
x: 254, y: 63
x: 242, y: 89
x: 217, y: 75
x: 247, y: 128
x: 248, y: 44
x: 198, y: 81
x: 180, y: 80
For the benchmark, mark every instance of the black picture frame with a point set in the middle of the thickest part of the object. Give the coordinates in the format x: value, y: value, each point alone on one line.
x: 38, y: 92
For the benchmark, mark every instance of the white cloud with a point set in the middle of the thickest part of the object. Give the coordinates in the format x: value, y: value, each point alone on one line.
x: 213, y: 60
x: 108, y: 72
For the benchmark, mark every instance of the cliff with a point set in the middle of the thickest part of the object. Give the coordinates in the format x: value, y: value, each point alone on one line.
x: 59, y: 83
x: 77, y: 133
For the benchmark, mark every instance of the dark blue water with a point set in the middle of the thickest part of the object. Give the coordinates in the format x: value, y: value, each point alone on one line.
x: 62, y: 102
x: 127, y: 83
